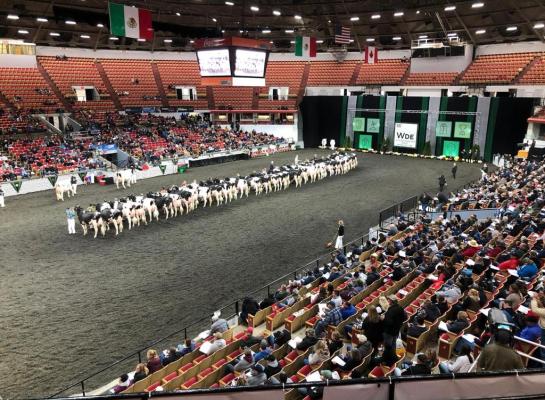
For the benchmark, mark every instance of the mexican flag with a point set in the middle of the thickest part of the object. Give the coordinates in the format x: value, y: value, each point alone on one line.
x: 305, y: 46
x: 130, y: 21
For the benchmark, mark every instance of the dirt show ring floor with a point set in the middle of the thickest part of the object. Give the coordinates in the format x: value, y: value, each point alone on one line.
x: 71, y: 305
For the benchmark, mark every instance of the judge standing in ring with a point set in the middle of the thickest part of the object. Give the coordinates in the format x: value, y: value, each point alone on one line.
x: 2, y: 204
x: 340, y: 235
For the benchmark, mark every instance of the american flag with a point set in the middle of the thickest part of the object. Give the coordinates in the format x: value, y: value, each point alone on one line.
x: 342, y: 34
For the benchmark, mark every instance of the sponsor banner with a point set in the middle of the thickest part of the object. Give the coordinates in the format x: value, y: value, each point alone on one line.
x: 358, y: 124
x: 373, y: 125
x: 365, y: 142
x: 451, y: 148
x: 443, y: 128
x: 462, y: 130
x: 405, y: 135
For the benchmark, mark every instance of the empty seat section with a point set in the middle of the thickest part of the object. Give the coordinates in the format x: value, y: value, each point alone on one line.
x: 384, y: 72
x: 431, y: 78
x: 133, y: 80
x: 282, y: 74
x: 331, y: 73
x: 77, y: 72
x: 237, y: 98
x: 496, y: 68
x: 26, y: 88
x: 536, y: 73
x: 182, y: 73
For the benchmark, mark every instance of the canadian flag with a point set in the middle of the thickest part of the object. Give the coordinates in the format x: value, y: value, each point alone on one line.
x: 371, y: 55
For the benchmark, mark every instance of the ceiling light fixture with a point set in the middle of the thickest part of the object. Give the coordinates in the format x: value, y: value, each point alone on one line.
x: 13, y: 17
x: 266, y: 31
x: 70, y: 22
x: 370, y: 39
x: 320, y: 41
x: 396, y: 38
x: 191, y: 41
x: 452, y: 34
x: 254, y: 8
x: 229, y: 3
x: 40, y: 19
x: 22, y: 31
x: 99, y: 25
x: 423, y: 37
x: 511, y: 28
x: 289, y: 31
x: 277, y: 13
x: 297, y: 17
x: 399, y: 14
x: 539, y: 25
x: 214, y: 19
x: 54, y: 34
x: 167, y: 40
x: 450, y: 8
x: 114, y: 38
x: 355, y: 19
x: 375, y: 16
x: 85, y: 36
x: 178, y: 14
x: 141, y: 39
x: 477, y: 5
x: 480, y: 31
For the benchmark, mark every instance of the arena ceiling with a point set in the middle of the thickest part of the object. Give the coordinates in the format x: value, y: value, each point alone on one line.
x: 390, y: 24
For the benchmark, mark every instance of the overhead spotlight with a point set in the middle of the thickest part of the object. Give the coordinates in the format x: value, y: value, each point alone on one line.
x: 320, y: 41
x: 99, y: 25
x: 423, y: 37
x: 54, y: 34
x: 452, y: 34
x: 85, y: 36
x: 370, y: 39
x: 328, y: 21
x: 229, y: 3
x: 297, y: 17
x: 41, y: 19
x: 22, y: 31
x: 114, y: 38
x: 354, y: 18
x: 191, y: 41
x: 214, y: 19
x: 511, y: 28
x: 418, y: 11
x: 396, y: 38
x: 13, y: 17
x: 167, y: 40
x: 266, y: 31
x: 141, y: 39
x: 450, y: 8
x: 375, y: 16
x: 223, y: 31
x: 289, y: 31
x: 292, y: 41
x: 399, y: 14
x: 277, y: 13
x: 241, y: 31
x: 254, y: 8
x: 479, y: 4
x: 351, y: 40
x: 271, y: 42
x: 539, y: 25
x: 480, y: 31
x: 178, y: 14
x: 70, y: 22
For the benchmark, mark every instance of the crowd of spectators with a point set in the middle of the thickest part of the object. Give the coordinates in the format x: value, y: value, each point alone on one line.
x: 483, y: 308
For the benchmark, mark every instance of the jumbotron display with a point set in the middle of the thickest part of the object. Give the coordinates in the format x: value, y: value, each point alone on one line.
x: 232, y: 61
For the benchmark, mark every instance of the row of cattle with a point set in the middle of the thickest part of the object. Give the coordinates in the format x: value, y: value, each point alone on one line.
x: 69, y: 187
x: 135, y: 210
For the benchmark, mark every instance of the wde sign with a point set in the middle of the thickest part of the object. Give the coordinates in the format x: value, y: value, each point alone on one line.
x: 405, y: 135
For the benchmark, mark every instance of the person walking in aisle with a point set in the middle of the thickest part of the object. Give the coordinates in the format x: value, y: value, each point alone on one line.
x: 442, y: 182
x: 454, y: 170
x: 2, y: 204
x: 71, y: 220
x: 340, y: 235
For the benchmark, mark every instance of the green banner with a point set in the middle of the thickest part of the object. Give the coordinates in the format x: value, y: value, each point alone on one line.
x: 451, y: 148
x: 17, y: 185
x: 358, y: 124
x: 52, y: 179
x: 443, y: 128
x: 462, y: 130
x: 373, y: 125
x: 82, y: 176
x: 365, y: 142
x: 162, y: 168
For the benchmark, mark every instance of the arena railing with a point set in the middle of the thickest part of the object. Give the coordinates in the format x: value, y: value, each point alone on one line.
x: 107, y: 374
x: 523, y: 384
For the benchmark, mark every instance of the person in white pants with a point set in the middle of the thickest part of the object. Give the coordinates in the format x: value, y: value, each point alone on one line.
x: 340, y: 235
x: 2, y: 204
x: 71, y: 219
x: 74, y: 183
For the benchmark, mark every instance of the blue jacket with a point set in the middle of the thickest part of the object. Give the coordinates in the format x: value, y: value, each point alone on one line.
x: 348, y: 311
x: 531, y: 333
x: 527, y: 271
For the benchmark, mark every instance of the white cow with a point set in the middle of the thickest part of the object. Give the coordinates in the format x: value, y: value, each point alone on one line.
x: 124, y: 177
x: 63, y: 187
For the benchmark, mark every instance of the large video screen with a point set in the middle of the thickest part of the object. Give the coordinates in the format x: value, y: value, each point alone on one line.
x: 250, y: 63
x: 214, y: 62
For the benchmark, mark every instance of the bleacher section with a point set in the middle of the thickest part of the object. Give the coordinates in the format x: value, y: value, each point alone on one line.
x: 535, y: 75
x: 496, y: 68
x: 282, y: 74
x: 327, y: 73
x: 77, y: 72
x: 182, y: 73
x: 385, y: 72
x: 237, y: 98
x: 132, y: 80
x: 26, y: 86
x: 431, y: 78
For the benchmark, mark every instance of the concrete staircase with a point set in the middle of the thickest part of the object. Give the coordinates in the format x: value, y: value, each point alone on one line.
x: 67, y: 106
x: 405, y: 75
x: 255, y: 99
x: 159, y: 83
x: 210, y: 97
x: 304, y: 81
x: 108, y: 85
x: 519, y: 76
x: 355, y: 74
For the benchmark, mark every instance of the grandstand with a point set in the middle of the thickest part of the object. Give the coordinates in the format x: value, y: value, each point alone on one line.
x: 441, y: 296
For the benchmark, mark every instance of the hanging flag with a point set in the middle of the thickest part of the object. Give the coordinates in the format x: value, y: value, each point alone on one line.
x: 342, y: 34
x: 305, y: 46
x: 371, y: 55
x: 130, y: 21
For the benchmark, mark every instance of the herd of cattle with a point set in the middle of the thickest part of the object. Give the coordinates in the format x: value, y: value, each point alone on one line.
x: 177, y: 200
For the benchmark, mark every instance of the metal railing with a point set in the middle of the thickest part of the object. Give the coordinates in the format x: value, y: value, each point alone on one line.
x: 228, y: 311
